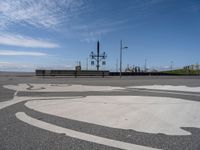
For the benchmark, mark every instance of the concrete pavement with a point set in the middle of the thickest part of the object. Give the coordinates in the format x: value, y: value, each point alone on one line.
x: 105, y: 113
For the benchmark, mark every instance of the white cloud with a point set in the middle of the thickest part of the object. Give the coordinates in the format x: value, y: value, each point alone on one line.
x: 3, y: 63
x: 13, y: 66
x: 39, y: 13
x: 20, y: 53
x: 22, y: 41
x: 16, y: 66
x: 92, y: 32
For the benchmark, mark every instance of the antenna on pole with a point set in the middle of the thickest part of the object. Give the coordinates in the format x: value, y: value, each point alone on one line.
x: 98, y: 57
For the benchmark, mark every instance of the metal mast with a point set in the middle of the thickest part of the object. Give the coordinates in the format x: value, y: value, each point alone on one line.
x: 121, y: 48
x: 98, y: 46
x: 98, y: 57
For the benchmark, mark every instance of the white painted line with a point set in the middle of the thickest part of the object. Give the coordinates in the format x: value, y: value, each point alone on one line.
x: 60, y: 88
x: 15, y: 94
x: 163, y: 92
x: 15, y: 100
x: 79, y: 135
x: 169, y: 88
x: 18, y: 99
x: 10, y: 102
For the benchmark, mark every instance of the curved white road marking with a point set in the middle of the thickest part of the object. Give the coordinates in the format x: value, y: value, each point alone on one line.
x: 163, y: 89
x: 79, y: 135
x: 60, y: 88
x: 17, y: 99
x: 168, y: 88
x: 161, y: 92
x: 15, y: 94
x: 141, y: 113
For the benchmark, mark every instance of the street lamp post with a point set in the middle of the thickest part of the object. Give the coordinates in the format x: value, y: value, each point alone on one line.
x: 145, y: 66
x: 172, y: 65
x: 121, y: 48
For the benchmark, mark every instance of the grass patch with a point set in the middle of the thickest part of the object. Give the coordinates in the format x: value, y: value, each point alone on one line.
x: 183, y: 72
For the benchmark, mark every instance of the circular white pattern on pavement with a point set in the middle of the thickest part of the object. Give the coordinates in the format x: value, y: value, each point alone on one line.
x: 140, y: 113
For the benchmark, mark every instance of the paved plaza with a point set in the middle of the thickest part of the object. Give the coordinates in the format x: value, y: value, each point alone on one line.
x: 133, y: 113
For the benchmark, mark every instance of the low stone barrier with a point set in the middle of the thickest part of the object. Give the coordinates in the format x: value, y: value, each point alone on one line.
x: 71, y: 73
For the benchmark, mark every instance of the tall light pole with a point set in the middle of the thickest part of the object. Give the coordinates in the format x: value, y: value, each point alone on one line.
x: 145, y: 66
x: 121, y: 48
x: 117, y: 65
x: 86, y: 63
x: 172, y: 65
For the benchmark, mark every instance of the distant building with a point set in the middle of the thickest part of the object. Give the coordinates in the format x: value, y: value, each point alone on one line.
x: 154, y: 70
x: 133, y: 69
x: 192, y: 67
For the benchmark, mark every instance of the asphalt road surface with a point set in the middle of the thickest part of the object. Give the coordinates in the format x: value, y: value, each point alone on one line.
x: 57, y: 113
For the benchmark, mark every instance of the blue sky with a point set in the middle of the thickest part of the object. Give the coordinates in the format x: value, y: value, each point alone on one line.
x: 57, y: 33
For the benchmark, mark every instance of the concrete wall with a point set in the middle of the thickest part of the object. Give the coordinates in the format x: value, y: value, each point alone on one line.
x: 71, y: 73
